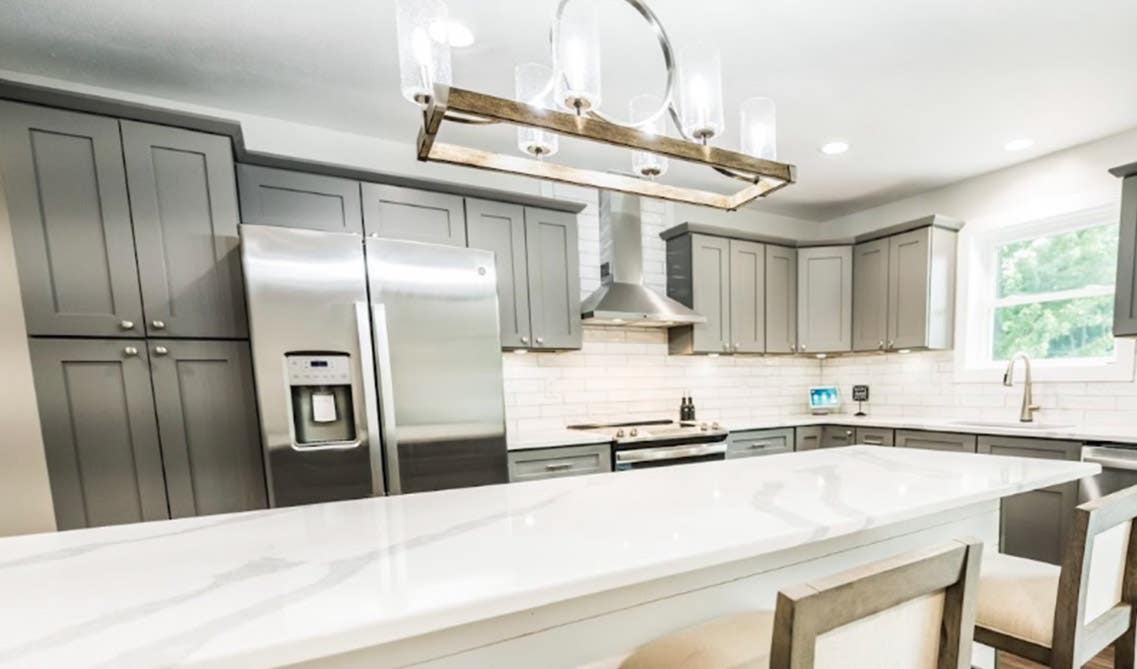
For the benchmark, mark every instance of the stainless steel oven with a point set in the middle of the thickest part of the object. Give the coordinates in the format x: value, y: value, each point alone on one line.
x: 1118, y: 470
x: 664, y: 456
x: 661, y: 443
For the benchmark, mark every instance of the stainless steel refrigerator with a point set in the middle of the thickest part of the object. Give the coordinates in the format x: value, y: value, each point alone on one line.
x: 377, y: 364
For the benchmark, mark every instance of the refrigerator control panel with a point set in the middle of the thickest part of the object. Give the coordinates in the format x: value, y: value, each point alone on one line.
x: 319, y: 370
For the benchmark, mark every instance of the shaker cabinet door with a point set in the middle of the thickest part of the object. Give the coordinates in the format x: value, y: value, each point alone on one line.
x: 299, y: 200
x: 415, y: 215
x: 909, y: 264
x: 66, y: 192
x: 747, y: 297
x: 710, y: 292
x: 207, y: 420
x: 870, y: 295
x: 183, y: 199
x: 825, y: 299
x: 1125, y: 301
x: 100, y: 438
x: 553, y: 259
x: 500, y: 227
x: 781, y: 299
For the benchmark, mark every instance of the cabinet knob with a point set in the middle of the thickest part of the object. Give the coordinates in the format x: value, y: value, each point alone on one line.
x: 130, y: 351
x: 848, y: 433
x: 525, y: 340
x: 726, y: 347
x: 126, y: 325
x: 540, y: 340
x: 881, y: 345
x: 736, y: 345
x: 161, y: 350
x: 801, y: 348
x: 890, y: 343
x: 158, y: 325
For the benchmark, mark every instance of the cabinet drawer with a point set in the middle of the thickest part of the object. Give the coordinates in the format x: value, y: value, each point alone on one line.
x: 876, y: 436
x: 807, y: 437
x: 936, y: 441
x: 547, y: 463
x: 833, y: 436
x: 759, y: 442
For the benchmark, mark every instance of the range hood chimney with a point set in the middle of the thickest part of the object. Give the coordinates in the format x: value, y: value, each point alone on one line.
x: 623, y: 299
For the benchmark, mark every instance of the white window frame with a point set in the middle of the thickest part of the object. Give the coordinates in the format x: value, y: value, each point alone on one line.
x: 975, y: 309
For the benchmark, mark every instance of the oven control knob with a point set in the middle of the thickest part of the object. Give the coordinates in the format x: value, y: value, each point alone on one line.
x: 703, y: 427
x: 620, y: 433
x: 715, y: 426
x: 634, y: 432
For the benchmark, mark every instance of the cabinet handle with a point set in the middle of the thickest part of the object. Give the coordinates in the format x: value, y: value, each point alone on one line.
x: 126, y: 325
x: 890, y: 343
x: 158, y: 325
x: 558, y: 467
x: 874, y: 442
x: 161, y: 350
x: 758, y: 444
x: 880, y: 347
x: 524, y: 340
x: 540, y: 340
x: 130, y: 351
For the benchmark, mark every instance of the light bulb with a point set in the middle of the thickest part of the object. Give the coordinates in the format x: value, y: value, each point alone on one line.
x: 424, y: 50
x: 700, y: 93
x: 578, y: 61
x: 758, y: 126
x: 533, y: 82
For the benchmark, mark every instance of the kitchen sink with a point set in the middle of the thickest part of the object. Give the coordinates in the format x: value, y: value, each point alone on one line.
x: 1011, y: 424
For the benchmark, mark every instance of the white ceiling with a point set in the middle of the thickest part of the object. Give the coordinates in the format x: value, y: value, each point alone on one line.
x: 926, y: 92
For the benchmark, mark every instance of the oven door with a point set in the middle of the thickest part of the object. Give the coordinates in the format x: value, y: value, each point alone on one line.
x: 665, y: 456
x: 1118, y: 471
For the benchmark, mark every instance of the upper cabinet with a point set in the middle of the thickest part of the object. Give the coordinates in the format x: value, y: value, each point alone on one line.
x: 1125, y: 301
x: 66, y: 191
x: 698, y: 276
x: 747, y: 296
x: 415, y: 215
x: 299, y: 200
x: 500, y: 227
x: 825, y: 299
x: 781, y: 299
x: 870, y: 296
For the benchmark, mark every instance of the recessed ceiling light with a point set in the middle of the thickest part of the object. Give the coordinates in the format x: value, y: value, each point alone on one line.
x: 457, y: 34
x: 835, y: 147
x: 1021, y: 144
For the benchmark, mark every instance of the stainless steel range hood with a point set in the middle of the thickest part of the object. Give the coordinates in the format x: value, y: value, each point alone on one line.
x: 623, y: 299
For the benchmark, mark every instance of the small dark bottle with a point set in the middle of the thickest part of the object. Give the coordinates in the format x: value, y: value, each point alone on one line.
x: 683, y: 410
x: 690, y: 408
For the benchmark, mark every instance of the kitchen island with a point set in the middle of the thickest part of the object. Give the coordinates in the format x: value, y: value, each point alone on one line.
x: 551, y: 573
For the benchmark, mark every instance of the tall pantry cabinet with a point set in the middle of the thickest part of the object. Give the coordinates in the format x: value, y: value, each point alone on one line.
x: 127, y: 253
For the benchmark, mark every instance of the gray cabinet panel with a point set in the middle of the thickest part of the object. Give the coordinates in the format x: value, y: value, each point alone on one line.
x: 547, y: 463
x: 183, y: 200
x: 416, y: 215
x: 833, y: 436
x: 67, y: 201
x: 825, y: 299
x: 876, y: 436
x: 500, y: 227
x: 936, y: 441
x: 1125, y: 300
x: 750, y: 443
x: 553, y: 259
x: 710, y: 276
x: 207, y: 420
x: 100, y: 437
x: 299, y: 200
x: 909, y: 264
x: 747, y: 297
x: 870, y: 295
x: 807, y: 438
x: 781, y: 299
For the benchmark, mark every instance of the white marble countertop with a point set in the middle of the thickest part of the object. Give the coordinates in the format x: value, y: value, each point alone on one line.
x: 271, y: 587
x: 546, y: 438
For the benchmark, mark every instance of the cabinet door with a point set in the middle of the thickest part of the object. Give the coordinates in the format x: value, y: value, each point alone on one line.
x: 100, y: 438
x: 908, y: 275
x: 183, y: 199
x: 553, y: 259
x: 936, y: 441
x: 1125, y: 301
x: 833, y: 436
x: 752, y: 443
x: 747, y: 297
x: 70, y: 216
x: 710, y: 291
x: 207, y: 419
x: 781, y: 299
x: 807, y: 438
x: 825, y: 299
x: 874, y: 436
x: 500, y: 227
x: 1035, y: 524
x: 870, y: 295
x: 415, y: 215
x: 548, y: 463
x: 299, y: 200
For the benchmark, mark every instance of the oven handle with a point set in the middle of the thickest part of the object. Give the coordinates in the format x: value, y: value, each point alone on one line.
x: 669, y: 453
x: 1110, y: 458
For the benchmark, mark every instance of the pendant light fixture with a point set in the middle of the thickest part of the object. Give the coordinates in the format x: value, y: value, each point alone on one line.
x: 567, y: 99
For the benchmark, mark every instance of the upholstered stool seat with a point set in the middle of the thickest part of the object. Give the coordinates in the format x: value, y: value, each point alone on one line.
x: 1017, y: 597
x: 738, y: 641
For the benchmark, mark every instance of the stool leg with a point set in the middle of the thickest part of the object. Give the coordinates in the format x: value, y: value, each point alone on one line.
x: 1125, y: 648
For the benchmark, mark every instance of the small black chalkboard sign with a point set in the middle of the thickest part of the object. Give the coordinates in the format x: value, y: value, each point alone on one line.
x: 860, y: 394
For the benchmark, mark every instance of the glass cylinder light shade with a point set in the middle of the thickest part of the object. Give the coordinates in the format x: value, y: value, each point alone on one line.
x: 578, y: 60
x: 700, y: 93
x: 640, y: 110
x: 424, y: 50
x: 534, y: 86
x: 758, y: 127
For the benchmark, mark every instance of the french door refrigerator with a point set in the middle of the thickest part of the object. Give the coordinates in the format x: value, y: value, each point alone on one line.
x: 377, y: 364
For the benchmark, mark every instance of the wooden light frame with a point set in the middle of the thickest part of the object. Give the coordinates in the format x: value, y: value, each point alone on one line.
x: 462, y: 106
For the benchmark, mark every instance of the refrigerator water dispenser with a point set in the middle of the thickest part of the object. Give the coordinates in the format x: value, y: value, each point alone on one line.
x: 323, y: 412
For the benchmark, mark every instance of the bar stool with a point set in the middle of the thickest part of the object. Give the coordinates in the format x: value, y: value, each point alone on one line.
x: 1064, y: 616
x: 915, y: 610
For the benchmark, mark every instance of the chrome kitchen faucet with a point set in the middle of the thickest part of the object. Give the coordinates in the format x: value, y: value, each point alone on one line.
x: 1029, y: 407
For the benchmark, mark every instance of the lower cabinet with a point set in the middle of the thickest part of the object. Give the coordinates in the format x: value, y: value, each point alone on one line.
x: 547, y: 463
x: 833, y: 436
x: 874, y: 436
x: 936, y: 441
x: 750, y: 443
x: 136, y: 430
x: 1035, y: 524
x: 807, y: 437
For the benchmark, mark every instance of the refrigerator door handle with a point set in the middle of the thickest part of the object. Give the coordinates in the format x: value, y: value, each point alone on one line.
x: 390, y: 439
x: 370, y: 401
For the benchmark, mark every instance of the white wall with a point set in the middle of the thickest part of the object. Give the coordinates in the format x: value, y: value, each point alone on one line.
x: 24, y: 488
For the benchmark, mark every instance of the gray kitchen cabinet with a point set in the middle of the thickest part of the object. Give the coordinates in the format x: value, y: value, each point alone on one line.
x: 70, y: 216
x: 807, y: 437
x: 833, y: 436
x: 870, y: 295
x: 546, y: 463
x: 781, y: 299
x: 750, y: 443
x: 1035, y: 524
x: 698, y: 276
x: 747, y: 297
x: 500, y: 227
x: 299, y: 200
x: 415, y: 215
x: 183, y: 200
x: 207, y: 422
x: 876, y: 436
x: 552, y: 256
x: 936, y: 441
x: 825, y: 299
x: 1125, y: 299
x: 921, y: 289
x: 100, y: 435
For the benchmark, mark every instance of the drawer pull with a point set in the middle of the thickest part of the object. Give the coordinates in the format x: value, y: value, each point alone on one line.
x: 558, y: 466
x: 874, y: 442
x: 758, y: 444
